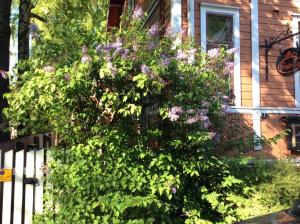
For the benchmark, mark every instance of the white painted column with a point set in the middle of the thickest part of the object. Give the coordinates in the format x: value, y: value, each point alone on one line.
x: 7, y: 186
x: 257, y: 129
x: 29, y: 188
x: 18, y: 186
x: 191, y: 18
x: 295, y: 29
x: 176, y: 16
x: 40, y: 177
x: 255, y: 70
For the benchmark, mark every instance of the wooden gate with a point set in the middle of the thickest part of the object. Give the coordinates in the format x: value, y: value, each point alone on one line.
x: 22, y: 197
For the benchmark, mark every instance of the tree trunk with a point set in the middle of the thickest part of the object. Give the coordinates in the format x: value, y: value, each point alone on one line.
x: 23, y: 30
x: 5, y: 8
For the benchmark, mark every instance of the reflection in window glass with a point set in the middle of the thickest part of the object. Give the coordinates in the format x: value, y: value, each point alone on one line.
x: 219, y: 31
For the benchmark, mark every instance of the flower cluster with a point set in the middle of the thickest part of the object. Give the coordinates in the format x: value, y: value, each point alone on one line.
x: 195, y: 116
x: 199, y: 115
x: 85, y: 57
x: 229, y: 68
x: 33, y: 29
x: 213, y: 53
x: 174, y: 113
x: 186, y: 55
x: 138, y: 12
x: 116, y: 48
x: 154, y: 30
x: 3, y: 74
x: 49, y: 69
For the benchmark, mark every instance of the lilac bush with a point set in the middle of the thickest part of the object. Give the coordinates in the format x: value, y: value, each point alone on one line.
x: 137, y: 119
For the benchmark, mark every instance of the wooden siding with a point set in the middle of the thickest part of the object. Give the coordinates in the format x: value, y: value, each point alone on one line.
x: 274, y: 16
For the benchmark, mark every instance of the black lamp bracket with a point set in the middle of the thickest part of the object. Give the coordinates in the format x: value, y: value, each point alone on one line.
x: 271, y: 41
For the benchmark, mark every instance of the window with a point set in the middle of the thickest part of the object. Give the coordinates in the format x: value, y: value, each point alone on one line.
x: 219, y: 31
x: 220, y: 26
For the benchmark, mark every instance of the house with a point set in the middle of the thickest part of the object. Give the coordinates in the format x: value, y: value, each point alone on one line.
x: 266, y: 80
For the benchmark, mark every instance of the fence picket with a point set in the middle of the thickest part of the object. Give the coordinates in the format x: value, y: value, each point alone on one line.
x: 18, y: 187
x: 7, y: 186
x: 29, y: 188
x: 40, y: 177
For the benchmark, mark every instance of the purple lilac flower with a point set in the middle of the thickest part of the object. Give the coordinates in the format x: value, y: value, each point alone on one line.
x: 213, y: 53
x: 174, y: 113
x: 173, y: 190
x: 194, y: 119
x: 205, y: 121
x: 67, y: 77
x: 212, y: 134
x: 112, y: 69
x: 152, y: 45
x: 192, y: 52
x: 181, y: 55
x: 138, y: 12
x: 49, y: 68
x: 107, y: 48
x: 183, y: 32
x: 118, y: 51
x: 228, y: 69
x: 85, y: 59
x: 199, y: 115
x: 225, y: 98
x: 33, y: 28
x: 145, y: 69
x: 117, y: 44
x: 3, y: 74
x: 225, y: 108
x: 99, y: 49
x: 217, y: 138
x: 125, y: 53
x: 168, y: 31
x: 232, y: 50
x: 165, y: 60
x: 205, y: 103
x: 84, y: 49
x: 154, y: 30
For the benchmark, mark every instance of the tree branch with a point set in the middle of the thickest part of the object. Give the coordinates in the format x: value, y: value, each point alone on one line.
x: 33, y: 15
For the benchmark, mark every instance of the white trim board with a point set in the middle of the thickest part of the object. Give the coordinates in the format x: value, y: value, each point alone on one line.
x: 219, y: 6
x: 268, y: 110
x: 176, y: 14
x: 234, y: 12
x: 295, y: 29
x: 255, y: 54
x: 191, y: 18
x: 255, y: 70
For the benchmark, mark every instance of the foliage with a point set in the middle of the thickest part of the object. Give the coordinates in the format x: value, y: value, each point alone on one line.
x: 273, y: 185
x: 136, y: 117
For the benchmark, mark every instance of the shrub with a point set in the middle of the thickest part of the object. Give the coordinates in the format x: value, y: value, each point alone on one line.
x: 273, y: 185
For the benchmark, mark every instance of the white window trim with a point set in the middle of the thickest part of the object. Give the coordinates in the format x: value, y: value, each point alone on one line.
x: 191, y: 18
x: 176, y: 14
x: 296, y: 19
x: 255, y: 70
x: 234, y: 12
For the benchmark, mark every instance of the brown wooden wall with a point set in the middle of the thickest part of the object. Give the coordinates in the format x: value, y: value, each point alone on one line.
x: 274, y: 16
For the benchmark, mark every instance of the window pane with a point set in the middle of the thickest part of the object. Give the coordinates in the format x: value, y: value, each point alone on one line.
x: 219, y: 30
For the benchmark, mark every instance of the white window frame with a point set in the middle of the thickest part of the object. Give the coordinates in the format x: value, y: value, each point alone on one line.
x: 295, y: 29
x: 235, y: 13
